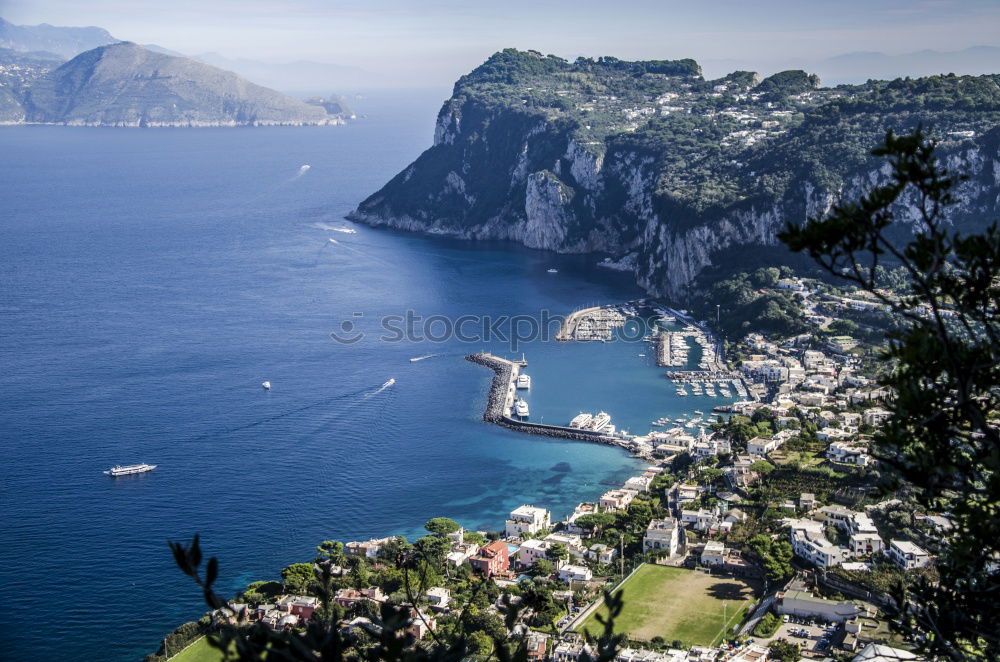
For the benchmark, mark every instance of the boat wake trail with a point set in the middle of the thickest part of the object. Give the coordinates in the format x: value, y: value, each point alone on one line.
x: 421, y: 358
x: 302, y: 170
x: 353, y: 395
x: 334, y: 228
x: 381, y: 388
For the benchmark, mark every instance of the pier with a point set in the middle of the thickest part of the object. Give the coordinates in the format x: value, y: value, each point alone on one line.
x: 501, y: 399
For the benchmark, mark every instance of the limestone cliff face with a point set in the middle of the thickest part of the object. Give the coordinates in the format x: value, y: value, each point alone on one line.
x: 503, y: 172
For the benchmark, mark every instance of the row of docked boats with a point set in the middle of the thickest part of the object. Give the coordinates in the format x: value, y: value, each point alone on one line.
x: 587, y: 421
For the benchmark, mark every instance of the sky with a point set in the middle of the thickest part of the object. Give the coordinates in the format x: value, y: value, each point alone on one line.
x: 433, y: 42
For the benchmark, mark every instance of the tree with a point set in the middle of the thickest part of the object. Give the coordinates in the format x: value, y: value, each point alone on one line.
x: 710, y: 475
x: 473, y: 537
x: 639, y: 514
x: 762, y: 467
x: 942, y: 440
x: 784, y: 651
x: 330, y: 550
x: 595, y: 521
x: 557, y: 552
x: 297, y: 577
x: 442, y: 526
x: 775, y: 556
x: 543, y: 568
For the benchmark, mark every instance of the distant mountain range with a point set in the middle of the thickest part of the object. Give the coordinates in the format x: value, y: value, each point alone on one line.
x: 300, y: 77
x: 124, y: 84
x: 64, y: 42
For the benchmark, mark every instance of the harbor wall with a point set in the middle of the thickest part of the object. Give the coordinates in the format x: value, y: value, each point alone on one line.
x: 499, y: 388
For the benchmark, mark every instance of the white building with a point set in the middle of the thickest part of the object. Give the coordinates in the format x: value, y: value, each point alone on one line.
x: 640, y: 483
x: 907, y: 555
x: 866, y: 544
x: 685, y: 493
x: 876, y: 416
x: 602, y: 554
x: 462, y: 552
x: 438, y: 597
x: 714, y: 553
x: 845, y: 453
x: 527, y: 520
x: 575, y: 573
x: 761, y: 446
x: 573, y: 542
x: 810, y: 543
x: 699, y: 520
x: 661, y: 534
x: 570, y: 651
x: 617, y: 499
x: 805, y: 605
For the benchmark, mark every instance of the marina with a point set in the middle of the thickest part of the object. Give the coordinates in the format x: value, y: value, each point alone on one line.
x: 595, y: 323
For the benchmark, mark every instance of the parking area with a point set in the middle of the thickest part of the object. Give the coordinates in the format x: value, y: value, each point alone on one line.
x: 811, y: 637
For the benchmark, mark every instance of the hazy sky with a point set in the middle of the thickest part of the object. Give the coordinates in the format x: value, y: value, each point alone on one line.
x: 434, y: 41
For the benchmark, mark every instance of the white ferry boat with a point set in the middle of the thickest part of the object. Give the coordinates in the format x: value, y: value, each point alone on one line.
x: 553, y: 271
x: 524, y: 381
x: 128, y: 470
x: 600, y: 421
x: 581, y: 420
x: 521, y: 408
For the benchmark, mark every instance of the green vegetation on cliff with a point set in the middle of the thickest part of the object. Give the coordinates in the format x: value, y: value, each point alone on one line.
x: 650, y: 159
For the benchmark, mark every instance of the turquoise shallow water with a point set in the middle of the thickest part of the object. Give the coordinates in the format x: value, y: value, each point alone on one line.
x: 152, y: 279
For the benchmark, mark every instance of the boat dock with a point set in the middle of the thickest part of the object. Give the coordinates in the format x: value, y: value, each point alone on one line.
x: 501, y: 400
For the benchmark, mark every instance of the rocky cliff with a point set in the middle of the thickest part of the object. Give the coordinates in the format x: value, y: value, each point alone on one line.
x: 124, y: 84
x: 649, y: 163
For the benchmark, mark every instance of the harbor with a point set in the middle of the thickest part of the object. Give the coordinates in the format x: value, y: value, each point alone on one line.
x: 503, y: 395
x: 701, y: 381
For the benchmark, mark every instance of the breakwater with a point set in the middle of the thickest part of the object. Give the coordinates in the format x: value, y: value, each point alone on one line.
x: 501, y: 396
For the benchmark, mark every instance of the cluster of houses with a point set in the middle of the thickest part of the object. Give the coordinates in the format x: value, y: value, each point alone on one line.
x: 675, y: 441
x: 824, y: 389
x: 809, y: 540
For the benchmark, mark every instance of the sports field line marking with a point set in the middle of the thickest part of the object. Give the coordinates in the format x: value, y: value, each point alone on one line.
x: 726, y: 626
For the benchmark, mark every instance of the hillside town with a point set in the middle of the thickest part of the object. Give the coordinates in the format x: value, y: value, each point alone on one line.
x: 777, y: 498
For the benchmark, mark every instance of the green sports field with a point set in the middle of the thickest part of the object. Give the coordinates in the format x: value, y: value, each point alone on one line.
x: 674, y: 603
x: 199, y: 651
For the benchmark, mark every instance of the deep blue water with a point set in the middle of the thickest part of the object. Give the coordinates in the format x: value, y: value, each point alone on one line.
x: 151, y: 279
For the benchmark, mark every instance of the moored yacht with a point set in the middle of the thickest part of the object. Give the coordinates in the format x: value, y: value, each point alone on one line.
x: 129, y: 469
x: 600, y: 421
x: 524, y: 381
x: 521, y: 408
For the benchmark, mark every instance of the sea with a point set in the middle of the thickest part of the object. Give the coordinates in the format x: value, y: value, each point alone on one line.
x: 151, y: 280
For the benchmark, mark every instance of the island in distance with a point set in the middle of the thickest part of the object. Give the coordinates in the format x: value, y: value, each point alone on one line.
x: 126, y: 85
